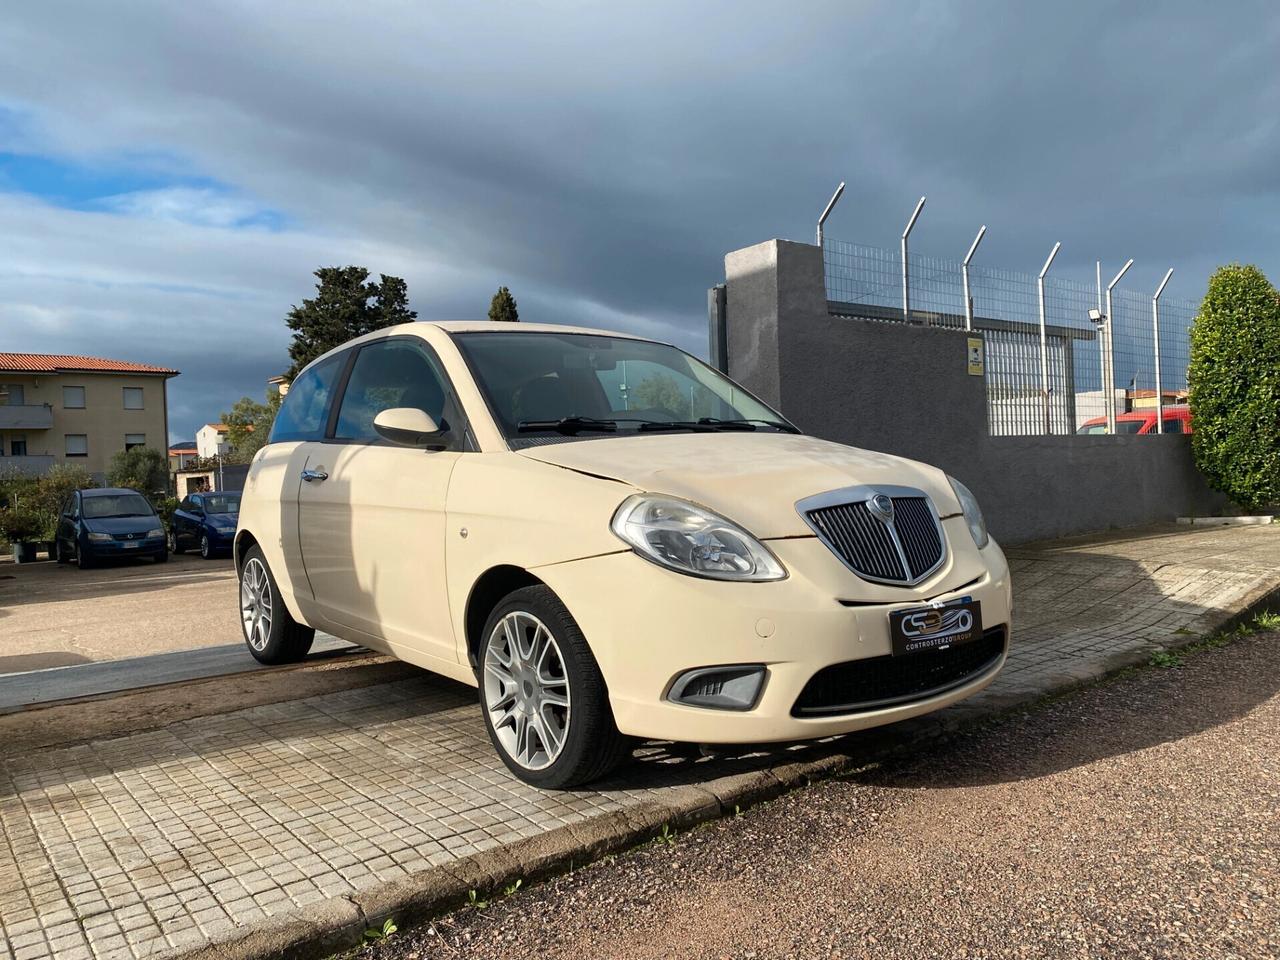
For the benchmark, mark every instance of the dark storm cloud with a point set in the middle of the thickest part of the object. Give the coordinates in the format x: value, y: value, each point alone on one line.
x: 600, y: 159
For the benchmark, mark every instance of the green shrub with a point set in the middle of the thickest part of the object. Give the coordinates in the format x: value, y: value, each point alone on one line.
x: 144, y: 469
x: 21, y: 525
x: 1234, y: 382
x: 165, y: 508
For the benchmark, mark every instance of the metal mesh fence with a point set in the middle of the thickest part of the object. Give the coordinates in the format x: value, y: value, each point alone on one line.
x: 866, y: 282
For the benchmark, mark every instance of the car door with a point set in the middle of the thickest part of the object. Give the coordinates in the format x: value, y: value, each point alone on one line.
x: 372, y: 514
x: 276, y: 475
x: 181, y: 521
x: 195, y: 520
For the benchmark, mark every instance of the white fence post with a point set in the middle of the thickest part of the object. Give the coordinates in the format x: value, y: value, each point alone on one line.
x: 1044, y: 340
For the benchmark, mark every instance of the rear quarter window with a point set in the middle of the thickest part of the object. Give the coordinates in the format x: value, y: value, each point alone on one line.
x: 305, y: 411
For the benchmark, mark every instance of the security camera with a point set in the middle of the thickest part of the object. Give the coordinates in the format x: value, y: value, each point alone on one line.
x: 1096, y: 316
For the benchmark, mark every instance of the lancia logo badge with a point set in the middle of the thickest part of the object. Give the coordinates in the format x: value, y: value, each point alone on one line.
x: 882, y: 507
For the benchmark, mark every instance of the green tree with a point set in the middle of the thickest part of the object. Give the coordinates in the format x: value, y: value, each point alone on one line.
x: 347, y: 304
x: 249, y: 424
x: 660, y: 391
x: 503, y: 307
x: 1234, y: 385
x: 144, y: 469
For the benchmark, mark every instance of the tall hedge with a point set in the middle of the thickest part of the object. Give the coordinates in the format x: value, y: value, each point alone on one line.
x: 1234, y: 382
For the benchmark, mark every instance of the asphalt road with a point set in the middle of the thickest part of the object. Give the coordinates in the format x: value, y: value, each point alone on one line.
x: 1140, y: 818
x: 55, y: 616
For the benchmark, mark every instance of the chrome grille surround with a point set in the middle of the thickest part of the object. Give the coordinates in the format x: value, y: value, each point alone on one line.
x: 903, y: 549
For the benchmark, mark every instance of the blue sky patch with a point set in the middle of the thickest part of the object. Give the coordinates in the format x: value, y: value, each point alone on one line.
x: 142, y: 187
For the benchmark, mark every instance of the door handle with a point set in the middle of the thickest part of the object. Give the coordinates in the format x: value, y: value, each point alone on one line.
x: 311, y: 476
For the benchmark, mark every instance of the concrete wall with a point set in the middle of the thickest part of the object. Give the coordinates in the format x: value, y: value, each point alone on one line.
x: 907, y: 390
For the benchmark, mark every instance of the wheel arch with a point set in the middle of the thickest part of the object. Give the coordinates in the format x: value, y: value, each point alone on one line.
x: 486, y: 593
x: 243, y: 541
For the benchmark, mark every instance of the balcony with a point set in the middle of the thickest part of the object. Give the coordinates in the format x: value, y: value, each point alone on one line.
x: 29, y: 416
x: 31, y: 466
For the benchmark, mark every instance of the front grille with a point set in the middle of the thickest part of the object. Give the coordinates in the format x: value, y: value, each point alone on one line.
x: 870, y: 547
x: 876, y: 682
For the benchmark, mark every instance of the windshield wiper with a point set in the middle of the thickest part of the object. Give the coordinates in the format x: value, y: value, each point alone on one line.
x: 749, y: 424
x: 705, y: 424
x: 569, y: 425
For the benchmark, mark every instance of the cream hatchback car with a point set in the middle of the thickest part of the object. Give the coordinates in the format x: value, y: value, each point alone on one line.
x: 613, y: 541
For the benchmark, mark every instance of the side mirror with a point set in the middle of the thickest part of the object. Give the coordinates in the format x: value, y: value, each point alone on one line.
x: 408, y: 427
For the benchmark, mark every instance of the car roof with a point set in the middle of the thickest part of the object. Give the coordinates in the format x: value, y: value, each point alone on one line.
x: 500, y: 326
x: 107, y: 492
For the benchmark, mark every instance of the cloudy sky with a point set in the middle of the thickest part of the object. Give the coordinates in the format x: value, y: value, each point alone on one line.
x: 171, y: 173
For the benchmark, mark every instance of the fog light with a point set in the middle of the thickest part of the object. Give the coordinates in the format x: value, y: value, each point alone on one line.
x: 719, y: 688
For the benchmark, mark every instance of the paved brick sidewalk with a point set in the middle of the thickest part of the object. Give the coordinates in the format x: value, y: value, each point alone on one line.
x: 163, y: 841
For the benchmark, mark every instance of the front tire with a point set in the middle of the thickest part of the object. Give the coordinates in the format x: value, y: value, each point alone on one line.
x: 82, y: 561
x: 543, y: 697
x: 270, y: 632
x: 174, y: 545
x: 206, y: 550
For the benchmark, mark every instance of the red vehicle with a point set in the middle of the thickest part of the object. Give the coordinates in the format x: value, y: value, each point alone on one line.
x: 1177, y: 419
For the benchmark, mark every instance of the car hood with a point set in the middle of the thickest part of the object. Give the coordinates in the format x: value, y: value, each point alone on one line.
x: 116, y: 526
x: 753, y: 479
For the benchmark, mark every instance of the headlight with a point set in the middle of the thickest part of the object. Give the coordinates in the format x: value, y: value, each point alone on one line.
x: 689, y: 539
x: 972, y: 513
x: 99, y: 536
x: 156, y: 532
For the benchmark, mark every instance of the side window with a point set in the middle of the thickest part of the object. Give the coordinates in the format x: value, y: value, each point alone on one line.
x: 1172, y: 425
x: 387, y: 374
x: 304, y: 413
x: 185, y: 504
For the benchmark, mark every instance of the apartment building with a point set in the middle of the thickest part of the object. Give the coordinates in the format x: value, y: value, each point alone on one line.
x: 81, y: 410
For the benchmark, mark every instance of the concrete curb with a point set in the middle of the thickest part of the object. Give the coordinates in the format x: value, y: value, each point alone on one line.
x: 1254, y: 521
x: 331, y: 926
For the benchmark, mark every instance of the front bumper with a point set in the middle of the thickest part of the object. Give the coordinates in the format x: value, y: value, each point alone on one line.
x: 141, y: 547
x: 653, y: 624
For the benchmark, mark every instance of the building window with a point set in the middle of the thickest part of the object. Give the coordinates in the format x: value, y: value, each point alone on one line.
x: 132, y: 440
x: 73, y: 398
x: 14, y: 393
x: 133, y: 398
x: 77, y: 445
x: 18, y: 446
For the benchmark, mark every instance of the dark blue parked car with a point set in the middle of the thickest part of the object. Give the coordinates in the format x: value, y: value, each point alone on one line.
x: 111, y: 522
x: 207, y: 521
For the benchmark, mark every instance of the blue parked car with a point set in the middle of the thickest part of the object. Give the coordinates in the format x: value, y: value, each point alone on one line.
x: 112, y: 522
x: 206, y: 521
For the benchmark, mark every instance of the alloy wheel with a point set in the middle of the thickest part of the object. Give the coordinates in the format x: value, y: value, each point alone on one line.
x: 255, y: 604
x: 526, y: 690
x: 173, y: 542
x: 204, y: 546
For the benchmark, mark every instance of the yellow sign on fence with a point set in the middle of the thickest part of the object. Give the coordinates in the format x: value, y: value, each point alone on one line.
x: 975, y: 356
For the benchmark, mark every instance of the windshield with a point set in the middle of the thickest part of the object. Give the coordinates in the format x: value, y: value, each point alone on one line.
x: 222, y: 504
x: 1122, y: 426
x: 576, y: 383
x: 116, y: 505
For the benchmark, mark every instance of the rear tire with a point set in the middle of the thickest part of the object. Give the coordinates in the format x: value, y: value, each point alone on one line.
x: 270, y: 632
x: 538, y: 678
